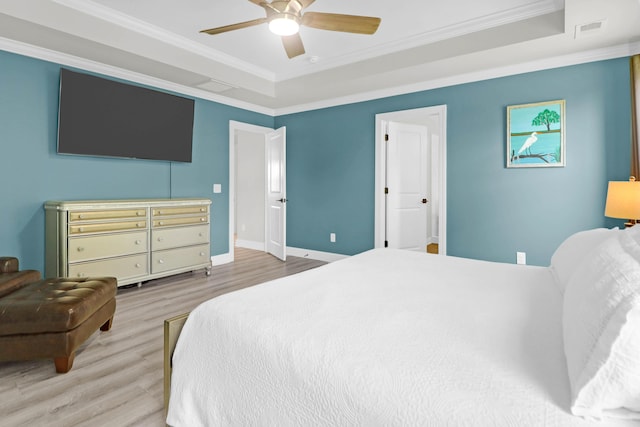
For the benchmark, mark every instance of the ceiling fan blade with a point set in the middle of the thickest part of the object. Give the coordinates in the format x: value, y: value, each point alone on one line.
x: 338, y: 22
x: 232, y: 27
x: 293, y: 45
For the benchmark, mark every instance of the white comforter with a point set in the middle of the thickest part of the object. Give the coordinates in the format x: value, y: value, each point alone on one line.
x: 385, y: 338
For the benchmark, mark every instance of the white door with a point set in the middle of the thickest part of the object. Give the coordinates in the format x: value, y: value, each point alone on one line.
x: 276, y: 232
x: 407, y: 163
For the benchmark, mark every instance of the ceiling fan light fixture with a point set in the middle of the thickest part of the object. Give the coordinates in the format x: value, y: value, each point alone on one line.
x: 284, y: 25
x: 285, y: 17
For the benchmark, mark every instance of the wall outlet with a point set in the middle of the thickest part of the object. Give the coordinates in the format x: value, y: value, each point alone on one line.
x: 332, y: 237
x: 217, y: 188
x: 521, y: 257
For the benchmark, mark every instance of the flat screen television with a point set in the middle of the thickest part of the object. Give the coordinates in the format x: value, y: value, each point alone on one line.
x: 101, y: 117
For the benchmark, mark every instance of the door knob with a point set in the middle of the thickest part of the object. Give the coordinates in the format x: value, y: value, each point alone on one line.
x: 283, y: 200
x: 424, y: 201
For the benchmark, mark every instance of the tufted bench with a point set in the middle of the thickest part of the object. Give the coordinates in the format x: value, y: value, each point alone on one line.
x: 51, y: 318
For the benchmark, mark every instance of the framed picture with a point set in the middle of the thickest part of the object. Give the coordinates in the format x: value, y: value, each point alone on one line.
x: 535, y: 135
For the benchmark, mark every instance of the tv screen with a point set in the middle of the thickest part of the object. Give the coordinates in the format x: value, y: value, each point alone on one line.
x: 100, y: 117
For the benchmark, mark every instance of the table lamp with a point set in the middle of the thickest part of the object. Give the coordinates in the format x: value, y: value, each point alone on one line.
x: 623, y: 201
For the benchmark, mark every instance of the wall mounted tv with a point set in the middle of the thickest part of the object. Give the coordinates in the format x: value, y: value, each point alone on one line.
x: 100, y: 117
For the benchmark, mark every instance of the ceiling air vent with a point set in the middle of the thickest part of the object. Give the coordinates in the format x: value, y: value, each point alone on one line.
x: 589, y: 28
x: 215, y: 86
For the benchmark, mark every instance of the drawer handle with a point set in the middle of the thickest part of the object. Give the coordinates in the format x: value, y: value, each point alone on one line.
x: 80, y: 216
x: 160, y: 223
x: 140, y: 213
x: 160, y: 239
x: 80, y: 229
x: 202, y: 210
x: 138, y: 265
x: 80, y: 274
x: 201, y: 253
x: 160, y: 261
x: 80, y: 249
x: 159, y: 212
x: 200, y: 234
x: 139, y: 225
x: 138, y: 242
x: 203, y: 219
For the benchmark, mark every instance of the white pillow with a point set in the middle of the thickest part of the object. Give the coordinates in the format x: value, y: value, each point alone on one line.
x: 601, y: 322
x: 569, y: 255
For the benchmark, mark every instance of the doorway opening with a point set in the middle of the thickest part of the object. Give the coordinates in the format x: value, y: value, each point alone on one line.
x: 257, y: 210
x: 395, y: 220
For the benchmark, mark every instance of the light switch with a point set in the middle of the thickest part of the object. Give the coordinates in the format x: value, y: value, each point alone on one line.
x: 217, y: 188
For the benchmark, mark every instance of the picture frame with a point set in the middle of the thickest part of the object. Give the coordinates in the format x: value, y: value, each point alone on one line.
x: 536, y: 135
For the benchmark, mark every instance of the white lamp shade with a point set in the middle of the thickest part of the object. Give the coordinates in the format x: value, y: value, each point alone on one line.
x: 623, y: 200
x: 284, y: 26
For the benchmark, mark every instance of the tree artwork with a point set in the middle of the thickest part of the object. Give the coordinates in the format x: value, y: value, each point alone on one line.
x: 545, y: 118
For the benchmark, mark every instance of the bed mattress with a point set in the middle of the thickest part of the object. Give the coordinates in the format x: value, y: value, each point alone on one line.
x: 384, y: 338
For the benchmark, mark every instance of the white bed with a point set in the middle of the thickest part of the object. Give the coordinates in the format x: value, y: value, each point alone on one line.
x: 384, y: 338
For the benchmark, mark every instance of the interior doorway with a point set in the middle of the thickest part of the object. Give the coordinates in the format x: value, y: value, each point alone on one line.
x: 257, y: 188
x: 418, y: 173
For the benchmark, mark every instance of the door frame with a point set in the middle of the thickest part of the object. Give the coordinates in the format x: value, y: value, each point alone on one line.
x: 234, y: 127
x: 418, y: 116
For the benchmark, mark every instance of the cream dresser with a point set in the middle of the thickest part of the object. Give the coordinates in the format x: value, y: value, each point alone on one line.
x: 133, y: 240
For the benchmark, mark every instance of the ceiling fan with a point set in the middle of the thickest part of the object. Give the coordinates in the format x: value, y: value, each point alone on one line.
x: 285, y: 17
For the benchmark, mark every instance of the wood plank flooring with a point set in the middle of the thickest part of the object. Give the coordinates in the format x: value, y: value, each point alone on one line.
x: 116, y: 379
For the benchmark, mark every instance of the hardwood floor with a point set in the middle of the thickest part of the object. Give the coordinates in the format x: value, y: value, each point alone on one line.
x: 116, y: 379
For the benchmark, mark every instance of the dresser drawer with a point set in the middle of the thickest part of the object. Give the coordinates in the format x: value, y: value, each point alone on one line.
x: 169, y: 222
x: 179, y: 210
x: 122, y: 267
x: 107, y: 245
x: 76, y: 216
x: 174, y: 259
x: 107, y: 226
x: 177, y: 237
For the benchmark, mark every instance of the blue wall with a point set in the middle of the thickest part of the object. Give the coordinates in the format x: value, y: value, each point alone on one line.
x: 492, y: 211
x: 31, y: 172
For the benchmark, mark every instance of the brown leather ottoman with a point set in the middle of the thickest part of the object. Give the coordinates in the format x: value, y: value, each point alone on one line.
x: 51, y: 318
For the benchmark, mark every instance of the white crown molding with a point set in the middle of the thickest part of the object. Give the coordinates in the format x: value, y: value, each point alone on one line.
x: 120, y: 73
x: 516, y: 14
x: 549, y: 63
x: 130, y: 23
x: 527, y: 67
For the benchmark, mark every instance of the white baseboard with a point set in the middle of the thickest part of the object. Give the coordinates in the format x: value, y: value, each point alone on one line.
x: 299, y: 252
x: 221, y: 259
x: 250, y: 244
x: 319, y: 255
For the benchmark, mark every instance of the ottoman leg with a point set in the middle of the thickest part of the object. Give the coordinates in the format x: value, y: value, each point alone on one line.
x: 107, y: 325
x: 64, y: 364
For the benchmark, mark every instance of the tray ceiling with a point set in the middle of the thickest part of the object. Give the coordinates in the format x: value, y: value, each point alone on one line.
x: 418, y: 42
